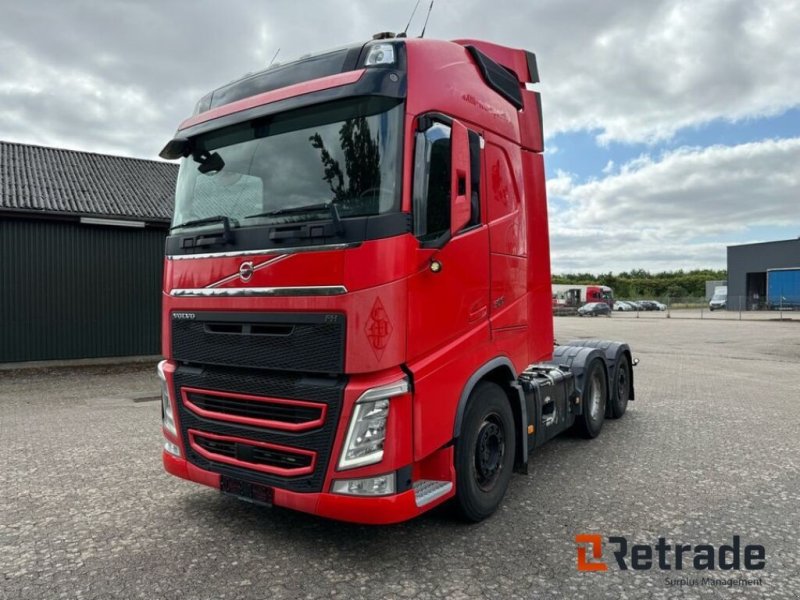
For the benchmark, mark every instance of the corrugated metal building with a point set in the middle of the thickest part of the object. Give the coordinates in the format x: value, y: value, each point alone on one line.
x: 81, y: 252
x: 747, y: 270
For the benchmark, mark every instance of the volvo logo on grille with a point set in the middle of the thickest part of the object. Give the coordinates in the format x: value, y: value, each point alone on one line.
x: 183, y: 315
x: 246, y: 271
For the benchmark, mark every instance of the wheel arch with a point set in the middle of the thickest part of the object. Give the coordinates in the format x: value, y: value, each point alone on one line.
x: 611, y: 353
x: 500, y: 370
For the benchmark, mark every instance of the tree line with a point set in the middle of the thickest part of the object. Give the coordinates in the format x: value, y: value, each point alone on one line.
x: 639, y: 283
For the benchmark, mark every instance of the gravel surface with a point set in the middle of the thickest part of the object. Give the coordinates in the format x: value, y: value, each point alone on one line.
x: 708, y: 450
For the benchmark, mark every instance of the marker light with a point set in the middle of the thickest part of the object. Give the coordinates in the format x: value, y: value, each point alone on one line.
x: 381, y: 485
x: 366, y: 433
x: 167, y: 417
x: 380, y: 54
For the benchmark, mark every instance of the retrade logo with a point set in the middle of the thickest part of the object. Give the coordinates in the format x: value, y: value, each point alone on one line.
x: 593, y: 542
x: 667, y: 557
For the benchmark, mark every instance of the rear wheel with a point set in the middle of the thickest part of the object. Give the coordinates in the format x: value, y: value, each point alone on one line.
x: 484, y: 452
x: 595, y: 397
x: 621, y: 386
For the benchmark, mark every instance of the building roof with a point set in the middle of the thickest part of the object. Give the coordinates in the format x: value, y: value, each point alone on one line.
x: 745, y: 246
x: 36, y: 179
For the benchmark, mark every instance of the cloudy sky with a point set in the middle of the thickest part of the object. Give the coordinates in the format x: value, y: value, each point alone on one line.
x: 673, y: 127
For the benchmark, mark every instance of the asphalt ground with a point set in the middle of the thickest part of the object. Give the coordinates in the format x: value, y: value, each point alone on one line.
x: 710, y: 449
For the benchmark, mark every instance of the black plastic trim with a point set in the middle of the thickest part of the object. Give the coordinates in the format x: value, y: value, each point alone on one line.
x: 533, y: 67
x: 403, y: 481
x: 500, y: 361
x: 257, y: 237
x: 497, y: 77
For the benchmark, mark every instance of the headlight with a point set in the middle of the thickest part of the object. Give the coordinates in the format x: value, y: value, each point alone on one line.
x: 167, y: 417
x: 367, y: 431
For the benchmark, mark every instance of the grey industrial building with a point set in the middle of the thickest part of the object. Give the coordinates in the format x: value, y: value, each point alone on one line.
x: 81, y: 253
x: 747, y: 270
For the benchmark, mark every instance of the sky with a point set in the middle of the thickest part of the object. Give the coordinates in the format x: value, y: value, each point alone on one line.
x: 672, y: 127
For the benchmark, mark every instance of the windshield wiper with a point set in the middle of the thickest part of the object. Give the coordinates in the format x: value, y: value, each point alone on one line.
x: 296, y: 210
x: 208, y: 240
x: 226, y: 222
x: 293, y: 210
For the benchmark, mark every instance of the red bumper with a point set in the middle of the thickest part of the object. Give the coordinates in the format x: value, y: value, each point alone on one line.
x: 381, y: 510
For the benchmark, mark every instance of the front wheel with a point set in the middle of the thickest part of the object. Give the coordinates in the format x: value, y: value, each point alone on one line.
x: 595, y: 397
x: 484, y: 452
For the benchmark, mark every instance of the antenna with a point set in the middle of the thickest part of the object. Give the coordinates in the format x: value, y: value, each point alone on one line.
x: 273, y: 58
x: 413, y: 12
x: 430, y: 8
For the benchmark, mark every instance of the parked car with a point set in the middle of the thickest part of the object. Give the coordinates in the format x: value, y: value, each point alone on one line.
x: 660, y: 305
x: 594, y: 308
x: 647, y: 305
x: 624, y: 305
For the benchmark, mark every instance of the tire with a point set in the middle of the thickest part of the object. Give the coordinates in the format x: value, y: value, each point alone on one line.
x: 621, y: 386
x: 595, y: 398
x: 484, y: 452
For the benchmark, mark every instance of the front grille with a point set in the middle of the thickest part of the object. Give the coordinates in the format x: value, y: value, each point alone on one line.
x: 302, y: 342
x: 219, y: 383
x: 258, y: 411
x: 267, y: 458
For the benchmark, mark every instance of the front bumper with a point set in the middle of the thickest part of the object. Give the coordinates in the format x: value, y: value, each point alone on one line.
x: 376, y: 510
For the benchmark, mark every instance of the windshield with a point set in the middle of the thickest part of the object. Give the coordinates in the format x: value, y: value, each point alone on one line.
x: 293, y: 166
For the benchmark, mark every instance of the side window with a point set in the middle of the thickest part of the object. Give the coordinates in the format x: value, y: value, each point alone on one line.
x: 432, y: 182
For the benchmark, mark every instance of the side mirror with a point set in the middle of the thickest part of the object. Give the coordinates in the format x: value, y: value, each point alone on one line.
x: 179, y: 147
x: 460, y: 192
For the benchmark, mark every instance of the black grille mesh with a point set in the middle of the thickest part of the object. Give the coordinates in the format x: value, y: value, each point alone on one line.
x: 307, y: 342
x: 256, y: 454
x: 264, y: 383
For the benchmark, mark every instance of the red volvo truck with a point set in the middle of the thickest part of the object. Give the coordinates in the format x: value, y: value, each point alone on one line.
x: 357, y: 317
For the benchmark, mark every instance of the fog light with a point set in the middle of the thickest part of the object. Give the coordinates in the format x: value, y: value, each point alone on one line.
x: 172, y: 448
x: 382, y: 485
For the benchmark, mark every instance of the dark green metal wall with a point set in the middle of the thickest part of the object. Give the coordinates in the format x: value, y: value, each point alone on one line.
x: 78, y: 291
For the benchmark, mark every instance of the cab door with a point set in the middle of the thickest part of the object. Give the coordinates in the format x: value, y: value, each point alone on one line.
x: 449, y: 292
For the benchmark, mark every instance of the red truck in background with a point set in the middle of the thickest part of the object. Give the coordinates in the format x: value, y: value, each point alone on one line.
x: 357, y: 317
x: 565, y: 294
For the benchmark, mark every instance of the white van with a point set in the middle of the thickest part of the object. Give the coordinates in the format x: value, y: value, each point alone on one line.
x: 719, y: 299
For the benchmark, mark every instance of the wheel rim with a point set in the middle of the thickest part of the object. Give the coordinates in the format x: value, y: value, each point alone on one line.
x: 490, y: 448
x: 595, y: 397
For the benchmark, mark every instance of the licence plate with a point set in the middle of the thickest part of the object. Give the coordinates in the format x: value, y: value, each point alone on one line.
x: 247, y: 491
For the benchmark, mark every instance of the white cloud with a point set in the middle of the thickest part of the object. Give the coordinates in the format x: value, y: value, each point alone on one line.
x: 661, y: 212
x: 630, y: 71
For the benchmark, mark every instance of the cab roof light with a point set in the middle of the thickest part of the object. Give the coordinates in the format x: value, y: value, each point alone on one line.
x: 380, y: 55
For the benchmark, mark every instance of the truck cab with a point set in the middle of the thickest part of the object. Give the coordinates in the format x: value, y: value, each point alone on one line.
x: 359, y: 250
